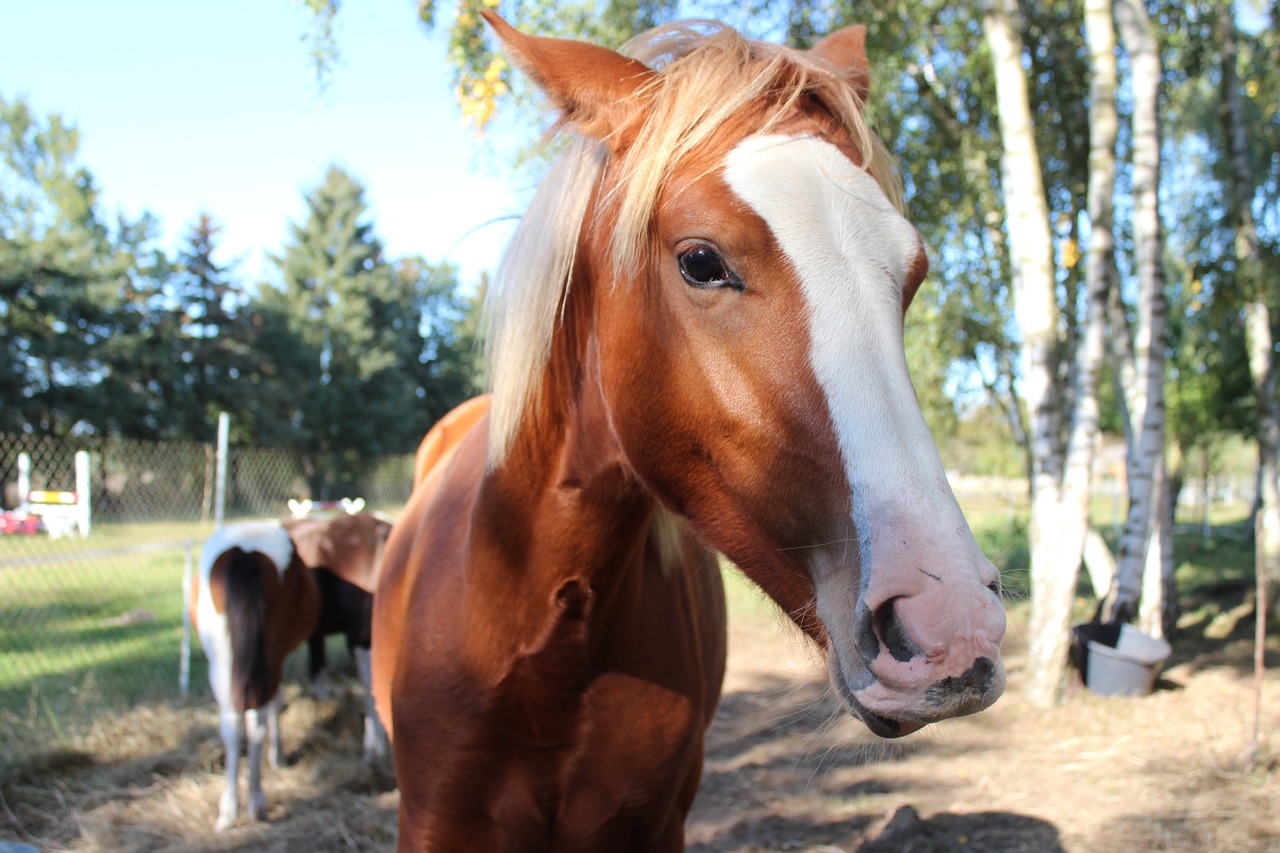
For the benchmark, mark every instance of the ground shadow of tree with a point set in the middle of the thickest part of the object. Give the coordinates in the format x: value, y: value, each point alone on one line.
x: 788, y: 769
x: 982, y: 832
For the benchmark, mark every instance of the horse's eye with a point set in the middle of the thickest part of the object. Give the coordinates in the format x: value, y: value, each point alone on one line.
x: 703, y: 267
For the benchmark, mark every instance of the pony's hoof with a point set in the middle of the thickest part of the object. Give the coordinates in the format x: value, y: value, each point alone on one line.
x: 258, y: 807
x: 223, y: 823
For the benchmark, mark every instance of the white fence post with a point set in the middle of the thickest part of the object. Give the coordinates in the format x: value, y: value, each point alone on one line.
x: 220, y: 485
x: 82, y: 492
x: 184, y: 661
x: 24, y: 478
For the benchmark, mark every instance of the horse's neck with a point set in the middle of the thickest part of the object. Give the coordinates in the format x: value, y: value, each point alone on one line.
x: 562, y: 510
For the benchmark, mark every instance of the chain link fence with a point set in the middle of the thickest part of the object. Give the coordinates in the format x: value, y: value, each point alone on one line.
x: 93, y: 623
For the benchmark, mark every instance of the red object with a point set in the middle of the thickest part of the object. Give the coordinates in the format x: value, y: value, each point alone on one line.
x: 11, y: 522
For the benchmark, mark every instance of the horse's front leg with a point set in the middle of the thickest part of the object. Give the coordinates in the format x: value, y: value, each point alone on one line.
x: 255, y: 730
x: 229, y: 804
x: 375, y: 735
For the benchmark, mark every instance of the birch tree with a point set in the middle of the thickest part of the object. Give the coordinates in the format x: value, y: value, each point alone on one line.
x: 1146, y: 543
x: 1060, y: 483
x: 1258, y: 337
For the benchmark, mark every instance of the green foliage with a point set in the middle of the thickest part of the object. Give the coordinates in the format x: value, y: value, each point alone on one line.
x: 320, y: 39
x: 1210, y: 391
x: 362, y: 351
x: 352, y: 356
x: 72, y: 288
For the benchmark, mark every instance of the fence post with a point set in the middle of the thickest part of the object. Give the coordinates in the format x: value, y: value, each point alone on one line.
x: 82, y: 491
x: 184, y: 661
x: 24, y: 477
x: 220, y: 485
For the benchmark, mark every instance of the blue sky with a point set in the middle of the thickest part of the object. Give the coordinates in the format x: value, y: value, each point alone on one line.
x: 186, y: 107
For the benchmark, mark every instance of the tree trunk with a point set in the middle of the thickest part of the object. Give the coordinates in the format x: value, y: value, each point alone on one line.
x: 1146, y: 459
x: 1258, y: 338
x: 1158, y: 611
x: 1054, y: 568
x: 1262, y: 367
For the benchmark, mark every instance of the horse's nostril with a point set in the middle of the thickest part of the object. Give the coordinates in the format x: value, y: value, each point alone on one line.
x: 893, y: 633
x: 994, y: 586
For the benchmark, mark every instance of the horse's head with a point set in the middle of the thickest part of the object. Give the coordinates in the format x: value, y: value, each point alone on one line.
x: 745, y: 272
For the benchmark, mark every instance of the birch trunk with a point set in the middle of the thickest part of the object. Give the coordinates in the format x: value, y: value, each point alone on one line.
x: 1258, y: 338
x: 1158, y: 610
x: 1146, y: 460
x: 1054, y: 568
x: 1100, y: 275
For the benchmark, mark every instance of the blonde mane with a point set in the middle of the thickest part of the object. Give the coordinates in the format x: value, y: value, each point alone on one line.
x: 708, y: 74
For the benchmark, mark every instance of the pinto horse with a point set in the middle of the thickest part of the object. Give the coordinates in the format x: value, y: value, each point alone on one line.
x: 254, y: 601
x: 344, y: 552
x: 696, y: 345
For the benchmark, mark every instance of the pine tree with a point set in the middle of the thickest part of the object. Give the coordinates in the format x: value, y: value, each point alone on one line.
x: 366, y: 337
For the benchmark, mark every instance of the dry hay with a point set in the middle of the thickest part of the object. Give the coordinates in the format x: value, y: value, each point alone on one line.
x: 149, y: 780
x: 786, y: 769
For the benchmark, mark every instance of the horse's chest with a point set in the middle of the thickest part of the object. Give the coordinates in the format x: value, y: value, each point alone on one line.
x: 608, y: 773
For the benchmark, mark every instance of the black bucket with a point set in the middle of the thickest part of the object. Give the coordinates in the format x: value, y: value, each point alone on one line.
x: 1108, y: 634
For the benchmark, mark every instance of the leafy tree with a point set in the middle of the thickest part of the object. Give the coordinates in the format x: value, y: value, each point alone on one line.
x: 66, y: 286
x: 201, y: 324
x: 364, y: 341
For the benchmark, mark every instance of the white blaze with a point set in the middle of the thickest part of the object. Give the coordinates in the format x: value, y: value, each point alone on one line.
x: 852, y: 251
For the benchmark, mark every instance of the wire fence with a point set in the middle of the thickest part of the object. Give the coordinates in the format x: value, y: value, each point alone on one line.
x: 93, y: 623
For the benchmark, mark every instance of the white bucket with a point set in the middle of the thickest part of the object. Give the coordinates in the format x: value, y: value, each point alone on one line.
x: 1131, y: 668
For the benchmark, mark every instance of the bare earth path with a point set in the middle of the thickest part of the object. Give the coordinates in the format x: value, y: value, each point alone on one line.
x: 786, y: 770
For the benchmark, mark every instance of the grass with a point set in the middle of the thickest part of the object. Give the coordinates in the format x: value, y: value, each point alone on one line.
x: 112, y: 536
x: 94, y: 626
x: 85, y: 639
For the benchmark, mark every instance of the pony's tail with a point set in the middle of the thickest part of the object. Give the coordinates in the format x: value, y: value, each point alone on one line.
x: 247, y: 625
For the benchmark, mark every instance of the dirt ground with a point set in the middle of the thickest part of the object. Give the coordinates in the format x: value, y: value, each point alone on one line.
x: 786, y: 770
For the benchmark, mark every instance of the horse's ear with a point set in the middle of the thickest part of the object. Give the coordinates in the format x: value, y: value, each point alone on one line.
x: 846, y: 49
x: 591, y: 85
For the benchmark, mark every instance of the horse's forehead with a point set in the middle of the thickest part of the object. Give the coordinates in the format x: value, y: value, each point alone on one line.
x: 826, y: 212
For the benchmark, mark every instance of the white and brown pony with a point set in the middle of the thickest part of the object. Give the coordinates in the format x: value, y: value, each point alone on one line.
x: 253, y: 602
x: 344, y: 553
x: 696, y: 346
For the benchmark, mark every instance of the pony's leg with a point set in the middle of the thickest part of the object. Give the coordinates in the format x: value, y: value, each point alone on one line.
x: 317, y: 666
x: 274, y: 751
x: 217, y: 647
x: 375, y: 735
x: 255, y: 730
x: 229, y: 804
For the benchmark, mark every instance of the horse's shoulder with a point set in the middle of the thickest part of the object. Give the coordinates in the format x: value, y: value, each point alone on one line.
x: 444, y: 438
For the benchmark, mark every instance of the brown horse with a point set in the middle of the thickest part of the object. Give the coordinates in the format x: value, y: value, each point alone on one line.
x: 344, y: 553
x: 444, y: 437
x: 253, y: 602
x: 696, y: 345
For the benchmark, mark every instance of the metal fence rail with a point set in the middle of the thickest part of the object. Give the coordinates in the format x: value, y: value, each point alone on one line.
x: 94, y: 624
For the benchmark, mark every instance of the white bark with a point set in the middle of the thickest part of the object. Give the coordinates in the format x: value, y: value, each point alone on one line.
x: 1258, y: 339
x: 1100, y: 562
x: 1262, y: 367
x: 1055, y: 547
x: 1158, y: 611
x: 1146, y: 460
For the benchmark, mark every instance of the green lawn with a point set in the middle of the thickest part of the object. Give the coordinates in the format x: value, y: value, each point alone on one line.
x: 81, y: 638
x: 91, y: 626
